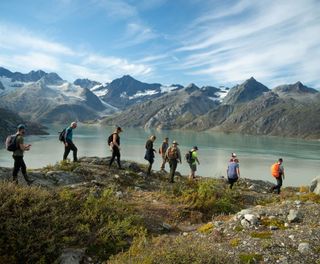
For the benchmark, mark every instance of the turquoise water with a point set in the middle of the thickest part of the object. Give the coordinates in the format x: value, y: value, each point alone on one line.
x: 256, y: 153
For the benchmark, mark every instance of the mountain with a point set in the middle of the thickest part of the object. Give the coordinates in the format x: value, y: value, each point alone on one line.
x: 170, y: 111
x: 46, y: 97
x: 9, y: 121
x: 296, y: 91
x: 86, y: 83
x: 275, y: 113
x: 127, y: 91
x: 245, y: 92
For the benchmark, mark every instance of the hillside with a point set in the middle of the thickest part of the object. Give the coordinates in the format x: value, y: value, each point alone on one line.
x: 170, y: 111
x: 46, y: 97
x: 9, y: 121
x: 87, y: 213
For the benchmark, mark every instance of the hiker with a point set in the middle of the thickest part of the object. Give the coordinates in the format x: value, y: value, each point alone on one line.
x: 68, y: 142
x: 192, y: 159
x: 233, y: 172
x: 149, y: 156
x: 277, y: 171
x: 114, y: 143
x: 234, y: 157
x: 162, y: 152
x: 173, y: 155
x: 18, y: 156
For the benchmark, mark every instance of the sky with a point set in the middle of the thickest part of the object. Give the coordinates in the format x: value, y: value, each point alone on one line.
x: 206, y: 42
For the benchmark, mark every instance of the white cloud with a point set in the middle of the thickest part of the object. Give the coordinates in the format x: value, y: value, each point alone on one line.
x: 116, y: 9
x: 19, y: 38
x: 23, y: 51
x: 272, y: 41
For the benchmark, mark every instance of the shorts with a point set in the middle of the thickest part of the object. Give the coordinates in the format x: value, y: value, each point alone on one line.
x: 193, y: 167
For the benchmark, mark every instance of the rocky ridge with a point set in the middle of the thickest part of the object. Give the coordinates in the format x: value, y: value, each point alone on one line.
x: 260, y: 227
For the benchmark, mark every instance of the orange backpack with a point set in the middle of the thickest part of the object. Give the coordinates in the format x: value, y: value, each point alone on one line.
x: 275, y: 170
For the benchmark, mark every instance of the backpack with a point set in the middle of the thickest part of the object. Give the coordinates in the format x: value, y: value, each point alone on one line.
x: 275, y: 168
x: 172, y: 153
x: 188, y: 157
x: 232, y: 170
x: 62, y: 135
x: 11, y: 143
x: 110, y: 138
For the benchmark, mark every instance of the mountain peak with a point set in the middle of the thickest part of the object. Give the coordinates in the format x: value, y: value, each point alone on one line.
x: 86, y: 83
x: 296, y: 88
x: 245, y: 92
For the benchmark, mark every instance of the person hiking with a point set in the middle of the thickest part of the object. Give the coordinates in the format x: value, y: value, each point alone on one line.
x: 162, y: 152
x: 18, y: 156
x: 193, y: 160
x: 277, y: 171
x: 149, y: 156
x: 114, y: 143
x: 173, y: 155
x: 68, y: 142
x: 234, y: 157
x: 233, y: 172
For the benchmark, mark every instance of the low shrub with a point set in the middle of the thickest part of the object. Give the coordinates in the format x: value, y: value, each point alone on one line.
x: 36, y: 224
x: 168, y: 250
x: 247, y: 258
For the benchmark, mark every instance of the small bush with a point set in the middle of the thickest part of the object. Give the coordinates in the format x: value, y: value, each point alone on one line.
x: 206, y: 228
x: 273, y: 222
x: 36, y: 224
x: 64, y: 165
x: 250, y: 258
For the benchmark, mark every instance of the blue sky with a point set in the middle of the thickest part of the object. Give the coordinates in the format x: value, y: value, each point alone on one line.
x: 208, y: 42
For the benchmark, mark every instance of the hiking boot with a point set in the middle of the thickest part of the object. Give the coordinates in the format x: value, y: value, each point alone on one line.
x: 29, y: 182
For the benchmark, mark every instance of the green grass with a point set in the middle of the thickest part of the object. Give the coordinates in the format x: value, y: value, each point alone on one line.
x: 169, y: 250
x: 36, y: 224
x: 247, y: 258
x: 64, y: 165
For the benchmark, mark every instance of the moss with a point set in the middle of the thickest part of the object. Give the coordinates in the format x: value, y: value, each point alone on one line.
x: 234, y: 242
x: 64, y: 165
x: 261, y: 235
x: 206, y: 228
x: 250, y: 258
x: 273, y: 222
x: 238, y: 228
x: 304, y: 189
x: 310, y: 197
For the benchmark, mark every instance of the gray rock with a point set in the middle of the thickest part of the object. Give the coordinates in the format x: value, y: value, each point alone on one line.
x: 304, y: 248
x: 273, y: 228
x: 72, y: 256
x: 218, y: 223
x: 240, y: 215
x: 245, y: 223
x: 294, y: 216
x: 252, y: 219
x: 315, y: 186
x: 134, y: 167
x: 166, y: 226
x: 119, y: 194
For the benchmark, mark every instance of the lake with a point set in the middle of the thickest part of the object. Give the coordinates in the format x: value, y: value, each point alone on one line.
x: 256, y: 153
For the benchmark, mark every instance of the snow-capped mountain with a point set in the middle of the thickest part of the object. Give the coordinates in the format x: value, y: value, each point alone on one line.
x: 47, y: 97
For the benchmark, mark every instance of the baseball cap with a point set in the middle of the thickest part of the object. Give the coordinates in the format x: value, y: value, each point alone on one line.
x: 21, y: 126
x: 195, y: 148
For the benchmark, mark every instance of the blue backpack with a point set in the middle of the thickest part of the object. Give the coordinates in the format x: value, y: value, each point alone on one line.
x: 232, y: 170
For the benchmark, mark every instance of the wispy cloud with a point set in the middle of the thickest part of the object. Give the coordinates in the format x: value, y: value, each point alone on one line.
x: 118, y: 9
x: 23, y: 50
x: 269, y: 40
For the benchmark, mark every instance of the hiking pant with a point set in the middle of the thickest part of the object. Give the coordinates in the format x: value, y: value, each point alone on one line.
x: 19, y: 164
x: 279, y: 184
x: 173, y: 166
x: 231, y: 181
x: 67, y: 150
x: 163, y: 164
x: 150, y: 167
x: 115, y: 154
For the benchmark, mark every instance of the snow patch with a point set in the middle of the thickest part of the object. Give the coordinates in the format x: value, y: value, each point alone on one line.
x: 168, y: 89
x: 145, y: 93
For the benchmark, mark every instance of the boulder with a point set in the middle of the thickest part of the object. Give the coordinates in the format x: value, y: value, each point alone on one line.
x: 315, y: 186
x: 294, y: 216
x: 304, y: 248
x: 252, y: 219
x: 72, y: 256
